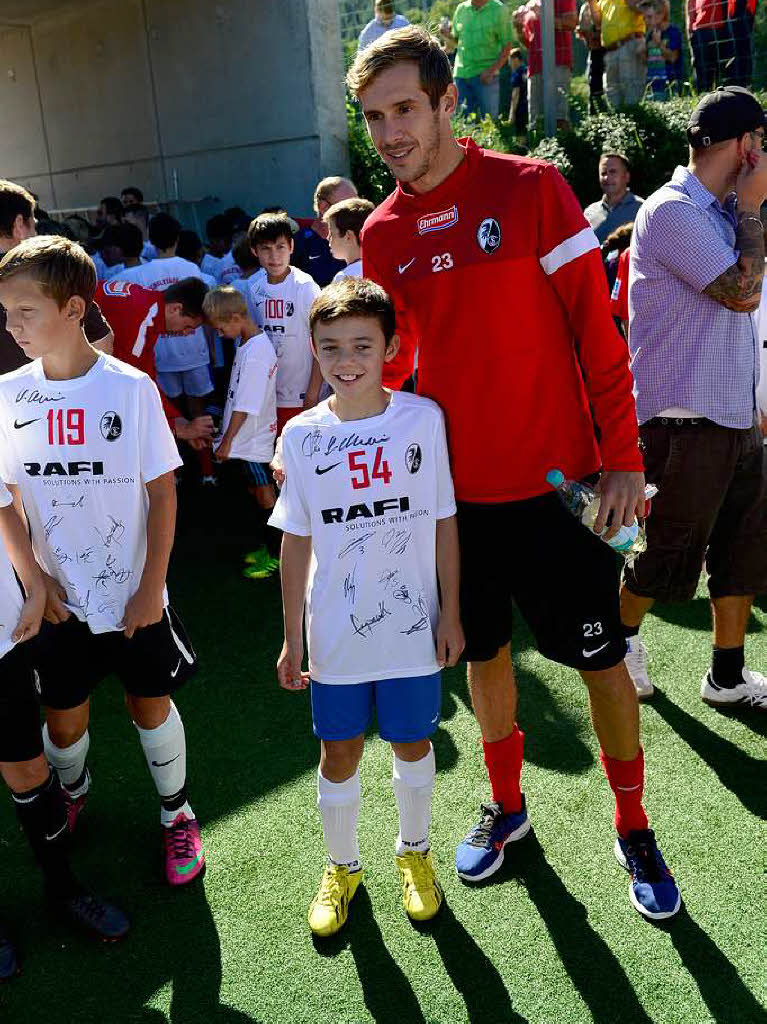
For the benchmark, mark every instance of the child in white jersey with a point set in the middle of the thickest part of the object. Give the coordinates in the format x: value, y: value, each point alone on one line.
x: 368, y: 513
x: 345, y: 221
x: 249, y: 425
x: 85, y: 439
x: 34, y: 789
x: 279, y: 300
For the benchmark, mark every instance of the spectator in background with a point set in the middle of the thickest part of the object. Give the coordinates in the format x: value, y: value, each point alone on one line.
x: 589, y: 31
x: 219, y: 231
x: 345, y: 221
x: 656, y: 75
x: 740, y: 14
x: 518, y: 107
x: 312, y: 252
x: 623, y: 34
x: 17, y: 222
x: 385, y: 20
x: 138, y: 215
x: 696, y: 271
x: 671, y: 37
x: 109, y: 213
x: 482, y: 34
x: 618, y: 204
x: 710, y: 41
x: 527, y: 19
x: 131, y: 196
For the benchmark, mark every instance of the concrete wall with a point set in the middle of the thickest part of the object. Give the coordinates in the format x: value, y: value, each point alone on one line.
x: 241, y: 100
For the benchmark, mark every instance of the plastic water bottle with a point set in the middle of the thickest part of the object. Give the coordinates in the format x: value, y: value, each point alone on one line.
x: 583, y: 501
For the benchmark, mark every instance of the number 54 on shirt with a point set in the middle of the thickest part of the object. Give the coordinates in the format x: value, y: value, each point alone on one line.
x: 361, y: 472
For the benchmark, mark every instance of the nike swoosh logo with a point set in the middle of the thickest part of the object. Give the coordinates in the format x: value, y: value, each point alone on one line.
x: 590, y: 654
x: 56, y: 834
x: 327, y: 469
x: 164, y: 764
x: 402, y: 268
x: 318, y: 256
x: 26, y: 423
x: 174, y: 673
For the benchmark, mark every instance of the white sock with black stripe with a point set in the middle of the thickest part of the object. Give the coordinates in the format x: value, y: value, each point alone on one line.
x: 413, y: 783
x: 339, y: 805
x: 165, y: 752
x: 69, y: 762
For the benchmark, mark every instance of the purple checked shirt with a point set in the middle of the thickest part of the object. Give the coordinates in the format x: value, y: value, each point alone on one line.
x: 688, y: 351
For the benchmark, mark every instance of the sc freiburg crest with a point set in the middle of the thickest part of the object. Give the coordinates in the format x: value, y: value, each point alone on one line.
x: 489, y: 235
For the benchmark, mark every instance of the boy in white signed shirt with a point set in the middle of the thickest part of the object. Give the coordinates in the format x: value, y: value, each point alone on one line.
x: 368, y: 513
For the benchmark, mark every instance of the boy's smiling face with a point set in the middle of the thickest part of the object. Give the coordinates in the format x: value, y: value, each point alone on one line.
x: 351, y: 352
x: 34, y: 319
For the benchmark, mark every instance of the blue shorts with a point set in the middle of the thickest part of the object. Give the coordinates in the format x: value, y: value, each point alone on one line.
x: 407, y: 709
x: 258, y: 473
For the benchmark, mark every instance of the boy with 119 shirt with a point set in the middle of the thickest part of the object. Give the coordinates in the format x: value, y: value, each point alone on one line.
x: 84, y: 438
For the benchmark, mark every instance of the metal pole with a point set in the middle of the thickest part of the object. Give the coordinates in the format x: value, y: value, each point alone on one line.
x: 549, y: 69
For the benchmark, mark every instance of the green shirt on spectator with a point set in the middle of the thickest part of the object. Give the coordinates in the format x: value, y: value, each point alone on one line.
x: 481, y: 33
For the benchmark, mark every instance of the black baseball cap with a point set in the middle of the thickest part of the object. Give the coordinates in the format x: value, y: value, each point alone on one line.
x: 725, y: 114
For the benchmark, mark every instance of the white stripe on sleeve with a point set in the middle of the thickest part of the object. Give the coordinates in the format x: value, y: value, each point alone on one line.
x: 569, y: 250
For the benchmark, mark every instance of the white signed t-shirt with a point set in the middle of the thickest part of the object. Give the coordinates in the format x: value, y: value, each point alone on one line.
x: 252, y: 390
x: 81, y: 452
x: 282, y: 310
x: 369, y: 493
x: 11, y: 598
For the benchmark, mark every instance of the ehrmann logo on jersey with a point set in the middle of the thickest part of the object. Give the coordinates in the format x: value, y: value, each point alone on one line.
x: 489, y: 235
x: 111, y: 426
x: 413, y: 458
x: 438, y: 221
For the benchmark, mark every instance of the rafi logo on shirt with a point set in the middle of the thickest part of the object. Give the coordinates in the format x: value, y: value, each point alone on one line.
x: 413, y: 458
x: 111, y: 426
x: 438, y: 221
x: 489, y: 235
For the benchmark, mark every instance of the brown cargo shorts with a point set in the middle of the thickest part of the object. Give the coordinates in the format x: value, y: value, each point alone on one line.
x: 711, y: 504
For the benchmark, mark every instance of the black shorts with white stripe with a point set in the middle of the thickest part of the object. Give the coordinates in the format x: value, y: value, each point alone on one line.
x: 72, y: 661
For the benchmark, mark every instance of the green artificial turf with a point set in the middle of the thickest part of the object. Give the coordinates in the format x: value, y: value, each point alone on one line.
x: 553, y: 939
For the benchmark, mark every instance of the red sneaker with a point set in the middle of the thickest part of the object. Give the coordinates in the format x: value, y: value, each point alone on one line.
x: 184, y: 855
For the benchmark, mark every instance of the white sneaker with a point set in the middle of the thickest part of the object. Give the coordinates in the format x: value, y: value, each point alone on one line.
x: 752, y: 692
x: 636, y: 663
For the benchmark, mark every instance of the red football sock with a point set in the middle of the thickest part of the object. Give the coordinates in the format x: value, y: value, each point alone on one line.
x: 626, y: 780
x: 503, y: 760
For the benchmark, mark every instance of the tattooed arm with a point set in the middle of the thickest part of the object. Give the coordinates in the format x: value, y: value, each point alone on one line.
x: 740, y: 287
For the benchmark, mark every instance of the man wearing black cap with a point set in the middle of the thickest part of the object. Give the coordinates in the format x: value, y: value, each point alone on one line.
x: 697, y: 261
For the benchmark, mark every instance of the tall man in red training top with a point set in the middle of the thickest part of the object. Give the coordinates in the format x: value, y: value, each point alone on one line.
x: 466, y: 233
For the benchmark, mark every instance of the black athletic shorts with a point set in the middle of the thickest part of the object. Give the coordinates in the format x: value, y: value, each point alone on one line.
x: 561, y: 576
x: 21, y: 738
x: 72, y: 660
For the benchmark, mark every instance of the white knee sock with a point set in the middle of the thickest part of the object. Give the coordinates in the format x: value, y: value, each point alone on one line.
x: 413, y: 783
x: 165, y: 752
x: 69, y: 762
x: 339, y: 805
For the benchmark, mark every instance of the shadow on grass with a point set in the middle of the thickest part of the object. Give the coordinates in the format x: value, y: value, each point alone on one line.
x: 718, y: 981
x: 476, y: 979
x: 738, y: 771
x: 388, y: 995
x: 176, y: 945
x: 592, y: 966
